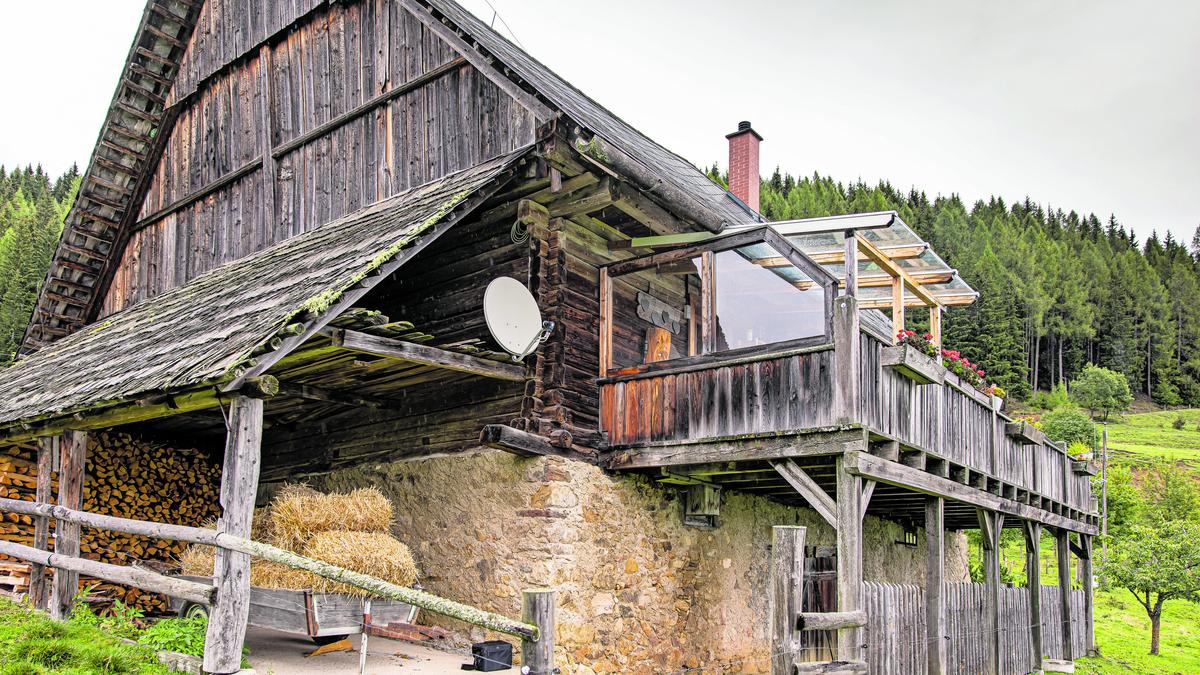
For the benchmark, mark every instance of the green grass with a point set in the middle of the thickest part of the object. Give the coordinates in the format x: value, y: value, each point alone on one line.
x: 32, y: 644
x: 1151, y: 435
x: 1123, y: 637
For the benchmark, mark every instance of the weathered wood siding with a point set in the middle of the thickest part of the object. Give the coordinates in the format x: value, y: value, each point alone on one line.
x: 794, y: 392
x: 896, y: 628
x: 956, y: 423
x: 273, y: 141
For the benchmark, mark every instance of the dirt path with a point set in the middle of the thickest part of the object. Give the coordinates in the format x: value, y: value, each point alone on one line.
x: 275, y: 653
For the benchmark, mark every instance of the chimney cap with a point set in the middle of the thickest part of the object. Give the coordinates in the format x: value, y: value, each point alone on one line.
x: 743, y: 127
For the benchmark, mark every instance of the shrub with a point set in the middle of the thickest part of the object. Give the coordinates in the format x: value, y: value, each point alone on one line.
x: 1054, y: 399
x: 1101, y: 391
x: 1179, y: 422
x: 1069, y: 425
x: 183, y: 636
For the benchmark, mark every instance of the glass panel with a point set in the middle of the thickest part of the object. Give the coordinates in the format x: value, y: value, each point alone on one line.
x: 761, y: 299
x: 656, y: 314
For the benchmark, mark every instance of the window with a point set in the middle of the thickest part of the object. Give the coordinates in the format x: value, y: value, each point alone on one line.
x: 744, y: 293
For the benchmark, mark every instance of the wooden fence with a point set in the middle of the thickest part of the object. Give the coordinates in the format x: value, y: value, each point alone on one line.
x: 896, y: 628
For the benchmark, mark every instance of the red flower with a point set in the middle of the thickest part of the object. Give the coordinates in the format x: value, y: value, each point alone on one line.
x: 927, y: 336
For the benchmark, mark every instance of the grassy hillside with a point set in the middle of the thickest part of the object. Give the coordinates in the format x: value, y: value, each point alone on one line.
x: 1123, y: 636
x: 1151, y: 435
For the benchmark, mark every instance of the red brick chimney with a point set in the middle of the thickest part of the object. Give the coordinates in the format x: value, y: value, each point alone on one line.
x: 743, y: 164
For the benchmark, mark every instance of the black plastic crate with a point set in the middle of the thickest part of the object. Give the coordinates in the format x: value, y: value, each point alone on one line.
x: 492, y: 655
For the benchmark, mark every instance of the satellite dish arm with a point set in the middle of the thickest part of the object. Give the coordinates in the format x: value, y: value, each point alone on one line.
x: 540, y: 338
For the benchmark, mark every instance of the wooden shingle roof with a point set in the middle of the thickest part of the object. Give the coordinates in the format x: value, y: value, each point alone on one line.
x: 205, y: 330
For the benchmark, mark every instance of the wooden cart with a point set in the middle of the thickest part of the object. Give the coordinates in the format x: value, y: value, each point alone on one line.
x: 324, y: 617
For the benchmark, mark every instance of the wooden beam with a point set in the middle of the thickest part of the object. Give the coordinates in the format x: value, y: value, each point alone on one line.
x: 893, y: 252
x: 229, y: 614
x: 895, y: 271
x: 802, y: 443
x: 935, y: 585
x: 786, y: 595
x: 897, y: 306
x: 72, y: 447
x: 1062, y: 542
x: 425, y: 355
x: 523, y: 443
x: 647, y: 212
x: 1033, y: 573
x: 991, y: 525
x: 846, y: 359
x: 1086, y: 572
x: 850, y: 278
x: 313, y: 393
x: 73, y: 566
x: 935, y: 324
x: 816, y: 497
x: 831, y: 668
x: 917, y: 480
x: 868, y: 491
x: 830, y: 620
x: 849, y: 558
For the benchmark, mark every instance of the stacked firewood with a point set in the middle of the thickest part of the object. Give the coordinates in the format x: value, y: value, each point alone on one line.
x: 128, y: 478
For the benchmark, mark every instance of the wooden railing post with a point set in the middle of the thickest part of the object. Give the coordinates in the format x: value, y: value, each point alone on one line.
x: 72, y: 446
x: 231, y: 574
x: 935, y: 575
x: 537, y: 608
x: 38, y: 592
x: 849, y: 558
x: 1033, y: 572
x: 846, y: 347
x: 1062, y: 545
x: 786, y: 595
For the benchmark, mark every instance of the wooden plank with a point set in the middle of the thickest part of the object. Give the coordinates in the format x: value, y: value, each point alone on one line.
x: 786, y: 595
x: 849, y: 558
x: 72, y: 447
x: 830, y: 620
x: 38, y: 590
x: 847, y: 360
x: 850, y: 277
x: 802, y: 443
x: 425, y: 355
x: 239, y: 486
x: 816, y: 497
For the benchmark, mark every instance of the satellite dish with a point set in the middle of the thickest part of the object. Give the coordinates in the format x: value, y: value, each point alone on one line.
x: 513, y: 317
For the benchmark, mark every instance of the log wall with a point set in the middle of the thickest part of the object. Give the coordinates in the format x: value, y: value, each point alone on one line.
x: 276, y: 134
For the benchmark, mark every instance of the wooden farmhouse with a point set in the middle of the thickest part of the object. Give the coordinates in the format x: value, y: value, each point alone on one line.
x: 719, y: 460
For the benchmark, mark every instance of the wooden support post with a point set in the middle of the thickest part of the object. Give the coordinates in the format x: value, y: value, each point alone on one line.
x: 537, y: 608
x: 38, y: 591
x: 1086, y: 572
x: 231, y: 574
x: 708, y: 303
x: 1062, y: 545
x: 72, y: 448
x: 606, y: 290
x: 935, y: 575
x: 935, y: 324
x: 991, y: 525
x: 897, y: 305
x: 849, y: 558
x: 1033, y: 572
x: 786, y: 594
x: 846, y: 360
x: 851, y: 260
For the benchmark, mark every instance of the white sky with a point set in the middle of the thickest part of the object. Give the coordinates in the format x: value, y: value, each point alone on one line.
x: 1091, y: 105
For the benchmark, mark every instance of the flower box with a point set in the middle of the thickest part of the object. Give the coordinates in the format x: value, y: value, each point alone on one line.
x: 1024, y: 432
x: 916, y: 366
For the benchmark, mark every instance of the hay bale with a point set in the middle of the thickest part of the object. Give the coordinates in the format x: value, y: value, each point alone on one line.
x: 198, y: 560
x: 380, y: 555
x: 298, y: 513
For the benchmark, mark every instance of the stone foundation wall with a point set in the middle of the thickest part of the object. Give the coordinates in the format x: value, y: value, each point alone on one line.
x: 638, y: 591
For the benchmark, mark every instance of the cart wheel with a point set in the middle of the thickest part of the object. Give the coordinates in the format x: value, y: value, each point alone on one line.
x: 192, y: 610
x: 322, y: 640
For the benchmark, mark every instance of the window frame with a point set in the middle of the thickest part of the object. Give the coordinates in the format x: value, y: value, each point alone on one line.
x: 705, y: 251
